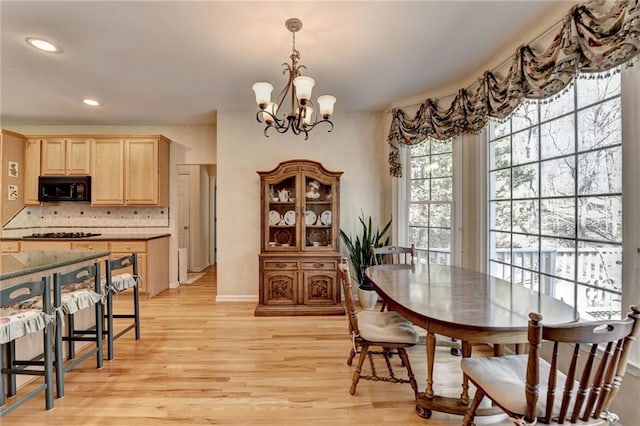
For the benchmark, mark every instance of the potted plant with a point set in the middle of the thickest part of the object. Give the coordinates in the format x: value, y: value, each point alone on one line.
x: 360, y: 256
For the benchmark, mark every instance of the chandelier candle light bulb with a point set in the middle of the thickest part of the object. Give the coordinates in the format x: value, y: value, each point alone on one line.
x: 304, y: 87
x: 325, y: 103
x: 263, y: 93
x: 300, y: 119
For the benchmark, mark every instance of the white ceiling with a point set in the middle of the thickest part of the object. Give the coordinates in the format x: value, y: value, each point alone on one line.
x: 179, y: 62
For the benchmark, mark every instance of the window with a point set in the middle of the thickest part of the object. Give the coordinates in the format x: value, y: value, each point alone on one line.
x: 429, y: 200
x: 555, y: 197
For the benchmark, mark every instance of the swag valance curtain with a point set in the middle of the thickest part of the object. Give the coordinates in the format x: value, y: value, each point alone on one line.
x: 588, y: 41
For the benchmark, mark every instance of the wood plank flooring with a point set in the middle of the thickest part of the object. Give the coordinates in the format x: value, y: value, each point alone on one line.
x: 204, y: 363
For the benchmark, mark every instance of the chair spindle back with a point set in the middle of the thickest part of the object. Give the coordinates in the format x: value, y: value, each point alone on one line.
x: 598, y: 377
x: 345, y: 278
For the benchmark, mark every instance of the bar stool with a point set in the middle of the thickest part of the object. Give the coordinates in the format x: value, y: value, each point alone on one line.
x: 19, y: 317
x: 115, y: 284
x: 74, y: 291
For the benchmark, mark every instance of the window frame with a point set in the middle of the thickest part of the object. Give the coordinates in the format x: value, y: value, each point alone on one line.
x: 403, y: 202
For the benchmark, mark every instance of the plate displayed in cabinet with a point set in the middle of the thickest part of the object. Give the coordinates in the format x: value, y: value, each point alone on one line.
x: 290, y: 218
x: 274, y: 217
x: 317, y: 237
x: 309, y: 218
x: 283, y: 236
x: 325, y: 217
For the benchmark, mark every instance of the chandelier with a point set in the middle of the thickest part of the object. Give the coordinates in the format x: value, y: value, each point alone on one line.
x: 302, y: 117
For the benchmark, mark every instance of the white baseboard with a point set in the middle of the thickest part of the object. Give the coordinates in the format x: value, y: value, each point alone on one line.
x: 200, y: 268
x: 236, y: 298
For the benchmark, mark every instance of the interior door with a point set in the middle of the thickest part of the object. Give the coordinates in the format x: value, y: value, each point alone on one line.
x: 184, y: 227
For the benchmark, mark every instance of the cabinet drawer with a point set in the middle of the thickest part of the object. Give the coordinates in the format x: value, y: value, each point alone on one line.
x: 86, y: 245
x: 10, y: 246
x: 45, y: 245
x: 275, y: 264
x: 128, y: 246
x: 320, y: 265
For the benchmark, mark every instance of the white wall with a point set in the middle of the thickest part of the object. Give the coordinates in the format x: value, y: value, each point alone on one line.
x: 356, y: 146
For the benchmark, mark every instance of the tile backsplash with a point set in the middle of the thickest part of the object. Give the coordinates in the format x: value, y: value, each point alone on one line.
x: 84, y: 218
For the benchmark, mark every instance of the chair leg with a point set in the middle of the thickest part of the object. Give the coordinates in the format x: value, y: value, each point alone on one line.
x: 99, y: 325
x: 70, y: 332
x: 136, y: 310
x: 2, y: 394
x: 470, y: 414
x: 352, y: 355
x: 364, y: 350
x: 109, y: 330
x: 11, y: 378
x: 48, y: 367
x: 58, y: 359
x: 405, y: 360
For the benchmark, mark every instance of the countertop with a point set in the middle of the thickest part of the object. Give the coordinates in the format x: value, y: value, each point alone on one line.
x: 103, y: 237
x: 14, y: 265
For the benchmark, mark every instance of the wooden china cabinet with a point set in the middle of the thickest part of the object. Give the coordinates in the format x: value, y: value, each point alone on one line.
x: 300, y: 226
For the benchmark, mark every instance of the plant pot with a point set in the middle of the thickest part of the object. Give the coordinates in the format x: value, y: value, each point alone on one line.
x: 367, y: 298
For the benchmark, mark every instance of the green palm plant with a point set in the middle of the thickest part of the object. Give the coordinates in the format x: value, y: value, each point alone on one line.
x: 360, y: 248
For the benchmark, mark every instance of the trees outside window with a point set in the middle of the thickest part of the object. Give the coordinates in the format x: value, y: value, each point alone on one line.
x: 555, y: 197
x: 430, y: 200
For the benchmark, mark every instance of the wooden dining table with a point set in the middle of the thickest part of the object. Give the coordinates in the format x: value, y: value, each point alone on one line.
x: 463, y: 304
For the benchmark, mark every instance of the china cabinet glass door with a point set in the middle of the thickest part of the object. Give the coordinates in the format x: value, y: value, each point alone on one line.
x: 318, y: 213
x: 283, y: 217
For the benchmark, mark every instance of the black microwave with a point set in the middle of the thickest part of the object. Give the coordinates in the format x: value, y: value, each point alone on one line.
x: 64, y: 188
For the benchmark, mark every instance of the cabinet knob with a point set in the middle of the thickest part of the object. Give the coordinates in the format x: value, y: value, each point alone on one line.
x: 280, y: 265
x: 318, y: 265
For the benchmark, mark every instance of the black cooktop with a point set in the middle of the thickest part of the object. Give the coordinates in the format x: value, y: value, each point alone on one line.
x: 62, y: 235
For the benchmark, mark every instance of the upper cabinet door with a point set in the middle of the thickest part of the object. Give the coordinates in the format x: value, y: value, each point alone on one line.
x: 107, y: 184
x: 141, y: 171
x: 53, y: 158
x: 32, y: 161
x: 78, y: 157
x: 61, y: 156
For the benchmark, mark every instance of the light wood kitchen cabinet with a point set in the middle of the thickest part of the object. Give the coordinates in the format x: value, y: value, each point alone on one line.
x: 146, y: 172
x: 131, y: 171
x: 65, y: 156
x: 9, y: 246
x: 107, y: 179
x: 44, y: 245
x: 300, y: 210
x: 32, y: 156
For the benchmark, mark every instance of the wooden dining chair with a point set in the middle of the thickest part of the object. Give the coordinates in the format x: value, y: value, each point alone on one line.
x: 25, y: 308
x: 376, y: 333
x: 530, y: 389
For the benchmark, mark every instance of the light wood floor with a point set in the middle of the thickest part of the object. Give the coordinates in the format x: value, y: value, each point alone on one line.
x: 205, y: 363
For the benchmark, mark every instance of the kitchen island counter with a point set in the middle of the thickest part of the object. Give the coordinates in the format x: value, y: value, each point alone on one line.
x: 14, y: 265
x: 102, y: 237
x: 152, y: 251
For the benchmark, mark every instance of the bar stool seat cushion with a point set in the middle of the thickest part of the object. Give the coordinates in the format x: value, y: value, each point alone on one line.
x: 123, y: 282
x: 16, y: 323
x: 76, y: 300
x: 386, y: 326
x: 76, y: 297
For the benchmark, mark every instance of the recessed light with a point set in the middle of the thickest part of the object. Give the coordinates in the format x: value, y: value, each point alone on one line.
x: 44, y: 45
x: 91, y: 102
